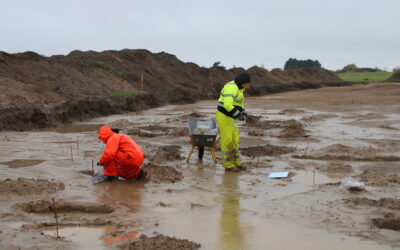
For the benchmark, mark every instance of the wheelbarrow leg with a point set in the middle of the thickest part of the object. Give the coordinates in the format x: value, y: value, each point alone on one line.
x: 190, y: 154
x: 213, y: 154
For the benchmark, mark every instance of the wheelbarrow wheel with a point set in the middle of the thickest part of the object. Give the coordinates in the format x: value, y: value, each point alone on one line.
x: 200, y: 153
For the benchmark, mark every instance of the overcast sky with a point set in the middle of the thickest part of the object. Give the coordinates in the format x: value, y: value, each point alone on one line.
x: 240, y: 33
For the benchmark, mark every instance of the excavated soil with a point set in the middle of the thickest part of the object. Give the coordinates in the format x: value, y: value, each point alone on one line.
x: 20, y: 163
x: 167, y: 153
x: 62, y: 206
x: 40, y: 92
x: 159, y: 174
x: 377, y: 177
x: 291, y: 111
x: 294, y: 131
x: 23, y: 186
x: 390, y: 203
x: 347, y: 153
x: 387, y: 223
x: 160, y: 242
x: 336, y: 169
x: 157, y: 130
x: 317, y: 118
x: 266, y: 150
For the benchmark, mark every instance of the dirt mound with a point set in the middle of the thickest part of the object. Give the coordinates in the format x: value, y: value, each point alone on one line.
x: 336, y: 169
x: 395, y: 77
x: 157, y: 130
x: 86, y: 172
x: 122, y: 124
x: 158, y: 174
x: 160, y: 242
x: 39, y: 91
x: 294, y: 131
x: 390, y: 203
x: 346, y: 153
x: 266, y: 150
x: 317, y: 118
x: 256, y: 133
x: 377, y: 177
x: 62, y: 206
x: 192, y: 115
x: 167, y: 153
x: 23, y: 186
x: 21, y: 163
x: 257, y: 122
x: 387, y: 223
x: 290, y: 111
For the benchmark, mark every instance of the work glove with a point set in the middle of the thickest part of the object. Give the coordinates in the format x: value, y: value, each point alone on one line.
x: 99, y: 164
x: 242, y: 116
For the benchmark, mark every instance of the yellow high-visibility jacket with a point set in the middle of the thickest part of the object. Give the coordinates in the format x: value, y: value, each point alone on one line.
x: 231, y: 100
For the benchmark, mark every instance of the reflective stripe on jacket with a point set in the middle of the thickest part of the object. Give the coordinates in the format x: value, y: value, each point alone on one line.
x: 231, y: 100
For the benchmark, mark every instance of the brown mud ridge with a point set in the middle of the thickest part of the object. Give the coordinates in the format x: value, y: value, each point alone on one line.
x: 291, y: 111
x: 167, y: 153
x: 159, y: 174
x: 62, y: 206
x: 38, y: 92
x: 21, y: 163
x: 266, y: 150
x: 160, y: 242
x: 317, y: 118
x: 255, y: 121
x: 387, y: 223
x: 23, y: 186
x: 346, y: 153
x: 294, y: 131
x: 379, y: 178
x: 389, y: 203
x: 149, y: 131
x: 337, y: 169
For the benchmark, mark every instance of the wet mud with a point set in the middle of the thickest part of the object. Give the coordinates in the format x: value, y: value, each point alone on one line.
x: 24, y: 186
x: 230, y: 210
x: 20, y: 163
x: 160, y: 242
x: 159, y: 174
x: 266, y: 150
x: 62, y: 206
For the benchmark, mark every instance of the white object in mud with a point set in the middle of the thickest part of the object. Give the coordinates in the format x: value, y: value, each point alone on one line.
x: 353, y: 185
x: 276, y: 175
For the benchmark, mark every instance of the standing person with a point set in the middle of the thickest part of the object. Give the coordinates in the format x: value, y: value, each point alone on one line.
x: 230, y: 109
x: 122, y: 156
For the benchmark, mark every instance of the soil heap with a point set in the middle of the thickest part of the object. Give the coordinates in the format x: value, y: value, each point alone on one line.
x: 38, y: 91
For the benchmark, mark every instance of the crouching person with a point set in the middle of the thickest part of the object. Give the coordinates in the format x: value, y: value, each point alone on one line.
x: 122, y: 156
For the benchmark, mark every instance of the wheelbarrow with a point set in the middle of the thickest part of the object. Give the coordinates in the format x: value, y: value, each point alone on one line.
x: 203, y: 133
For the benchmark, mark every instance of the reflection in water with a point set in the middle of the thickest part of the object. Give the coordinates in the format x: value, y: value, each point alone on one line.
x: 125, y: 193
x: 230, y: 236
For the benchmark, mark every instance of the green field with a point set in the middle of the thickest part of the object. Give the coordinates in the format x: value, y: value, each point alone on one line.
x: 365, y: 76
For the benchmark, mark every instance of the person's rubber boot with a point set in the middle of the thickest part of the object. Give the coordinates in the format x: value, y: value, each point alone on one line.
x: 111, y: 178
x: 234, y: 170
x: 241, y: 168
x: 141, y: 175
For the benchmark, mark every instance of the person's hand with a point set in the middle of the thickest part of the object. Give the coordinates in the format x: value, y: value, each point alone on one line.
x: 242, y: 116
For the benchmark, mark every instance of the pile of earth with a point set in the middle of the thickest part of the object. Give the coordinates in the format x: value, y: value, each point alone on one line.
x: 317, y: 118
x: 157, y: 130
x: 389, y: 203
x: 160, y: 242
x: 291, y: 111
x: 266, y: 150
x: 336, y: 169
x: 159, y: 174
x: 293, y: 131
x: 167, y: 153
x: 63, y: 206
x: 23, y: 186
x: 395, y: 77
x: 346, y: 153
x: 38, y: 91
x: 379, y: 178
x: 391, y: 223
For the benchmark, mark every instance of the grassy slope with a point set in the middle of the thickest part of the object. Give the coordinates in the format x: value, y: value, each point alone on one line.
x: 365, y: 76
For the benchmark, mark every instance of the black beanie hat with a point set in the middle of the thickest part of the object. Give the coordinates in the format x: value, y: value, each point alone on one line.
x: 243, y: 77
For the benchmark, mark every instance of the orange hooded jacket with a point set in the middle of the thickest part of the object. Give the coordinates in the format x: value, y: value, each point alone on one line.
x: 121, y: 152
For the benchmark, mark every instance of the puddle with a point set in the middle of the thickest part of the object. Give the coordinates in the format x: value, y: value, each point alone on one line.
x: 89, y: 237
x: 20, y: 163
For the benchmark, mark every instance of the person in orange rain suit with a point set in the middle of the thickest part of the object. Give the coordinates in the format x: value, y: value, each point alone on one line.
x: 122, y: 155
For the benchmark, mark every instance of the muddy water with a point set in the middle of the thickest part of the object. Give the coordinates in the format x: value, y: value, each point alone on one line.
x: 224, y: 210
